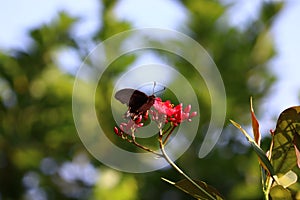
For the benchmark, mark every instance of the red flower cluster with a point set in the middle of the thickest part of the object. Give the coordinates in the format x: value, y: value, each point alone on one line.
x: 171, y: 114
x: 163, y: 112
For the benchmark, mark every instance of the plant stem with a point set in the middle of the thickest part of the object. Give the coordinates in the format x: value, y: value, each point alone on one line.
x: 170, y: 130
x: 133, y: 141
x: 269, y: 179
x: 167, y: 158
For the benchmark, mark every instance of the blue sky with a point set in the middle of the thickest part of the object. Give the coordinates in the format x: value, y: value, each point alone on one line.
x: 17, y: 17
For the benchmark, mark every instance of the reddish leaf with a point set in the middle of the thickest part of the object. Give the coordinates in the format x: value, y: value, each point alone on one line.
x: 255, y: 125
x: 297, y: 148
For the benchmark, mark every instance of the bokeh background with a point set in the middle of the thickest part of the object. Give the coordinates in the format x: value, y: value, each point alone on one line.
x: 255, y: 45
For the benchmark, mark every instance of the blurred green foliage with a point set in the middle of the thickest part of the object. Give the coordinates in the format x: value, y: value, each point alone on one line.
x: 37, y: 132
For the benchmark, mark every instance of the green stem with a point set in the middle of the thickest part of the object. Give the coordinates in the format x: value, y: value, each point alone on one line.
x: 269, y: 178
x: 268, y: 185
x: 167, y: 158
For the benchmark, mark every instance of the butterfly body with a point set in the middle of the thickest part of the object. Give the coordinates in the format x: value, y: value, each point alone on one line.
x: 138, y: 102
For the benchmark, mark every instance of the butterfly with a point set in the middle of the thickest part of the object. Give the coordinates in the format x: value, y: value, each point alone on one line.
x: 138, y: 102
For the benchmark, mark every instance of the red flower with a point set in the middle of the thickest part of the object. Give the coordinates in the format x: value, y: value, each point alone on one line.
x: 172, y: 114
x: 163, y: 112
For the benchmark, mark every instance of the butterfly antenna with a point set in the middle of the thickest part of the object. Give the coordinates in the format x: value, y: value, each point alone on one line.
x: 154, y: 84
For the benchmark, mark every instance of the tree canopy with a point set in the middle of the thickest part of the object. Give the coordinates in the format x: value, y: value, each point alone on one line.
x: 41, y: 154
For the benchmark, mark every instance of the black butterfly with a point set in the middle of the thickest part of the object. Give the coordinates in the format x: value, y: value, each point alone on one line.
x: 138, y: 102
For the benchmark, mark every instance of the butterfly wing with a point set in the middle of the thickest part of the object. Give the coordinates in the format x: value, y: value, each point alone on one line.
x: 147, y: 105
x: 137, y: 101
x: 124, y: 95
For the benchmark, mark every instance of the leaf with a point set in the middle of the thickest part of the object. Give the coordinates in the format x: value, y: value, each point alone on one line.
x: 280, y: 193
x: 263, y: 159
x: 288, y: 179
x: 286, y: 137
x: 189, y: 188
x: 255, y: 124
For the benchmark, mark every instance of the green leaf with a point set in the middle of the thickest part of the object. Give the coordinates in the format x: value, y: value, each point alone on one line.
x: 280, y: 193
x: 189, y: 188
x: 285, y: 140
x: 264, y: 161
